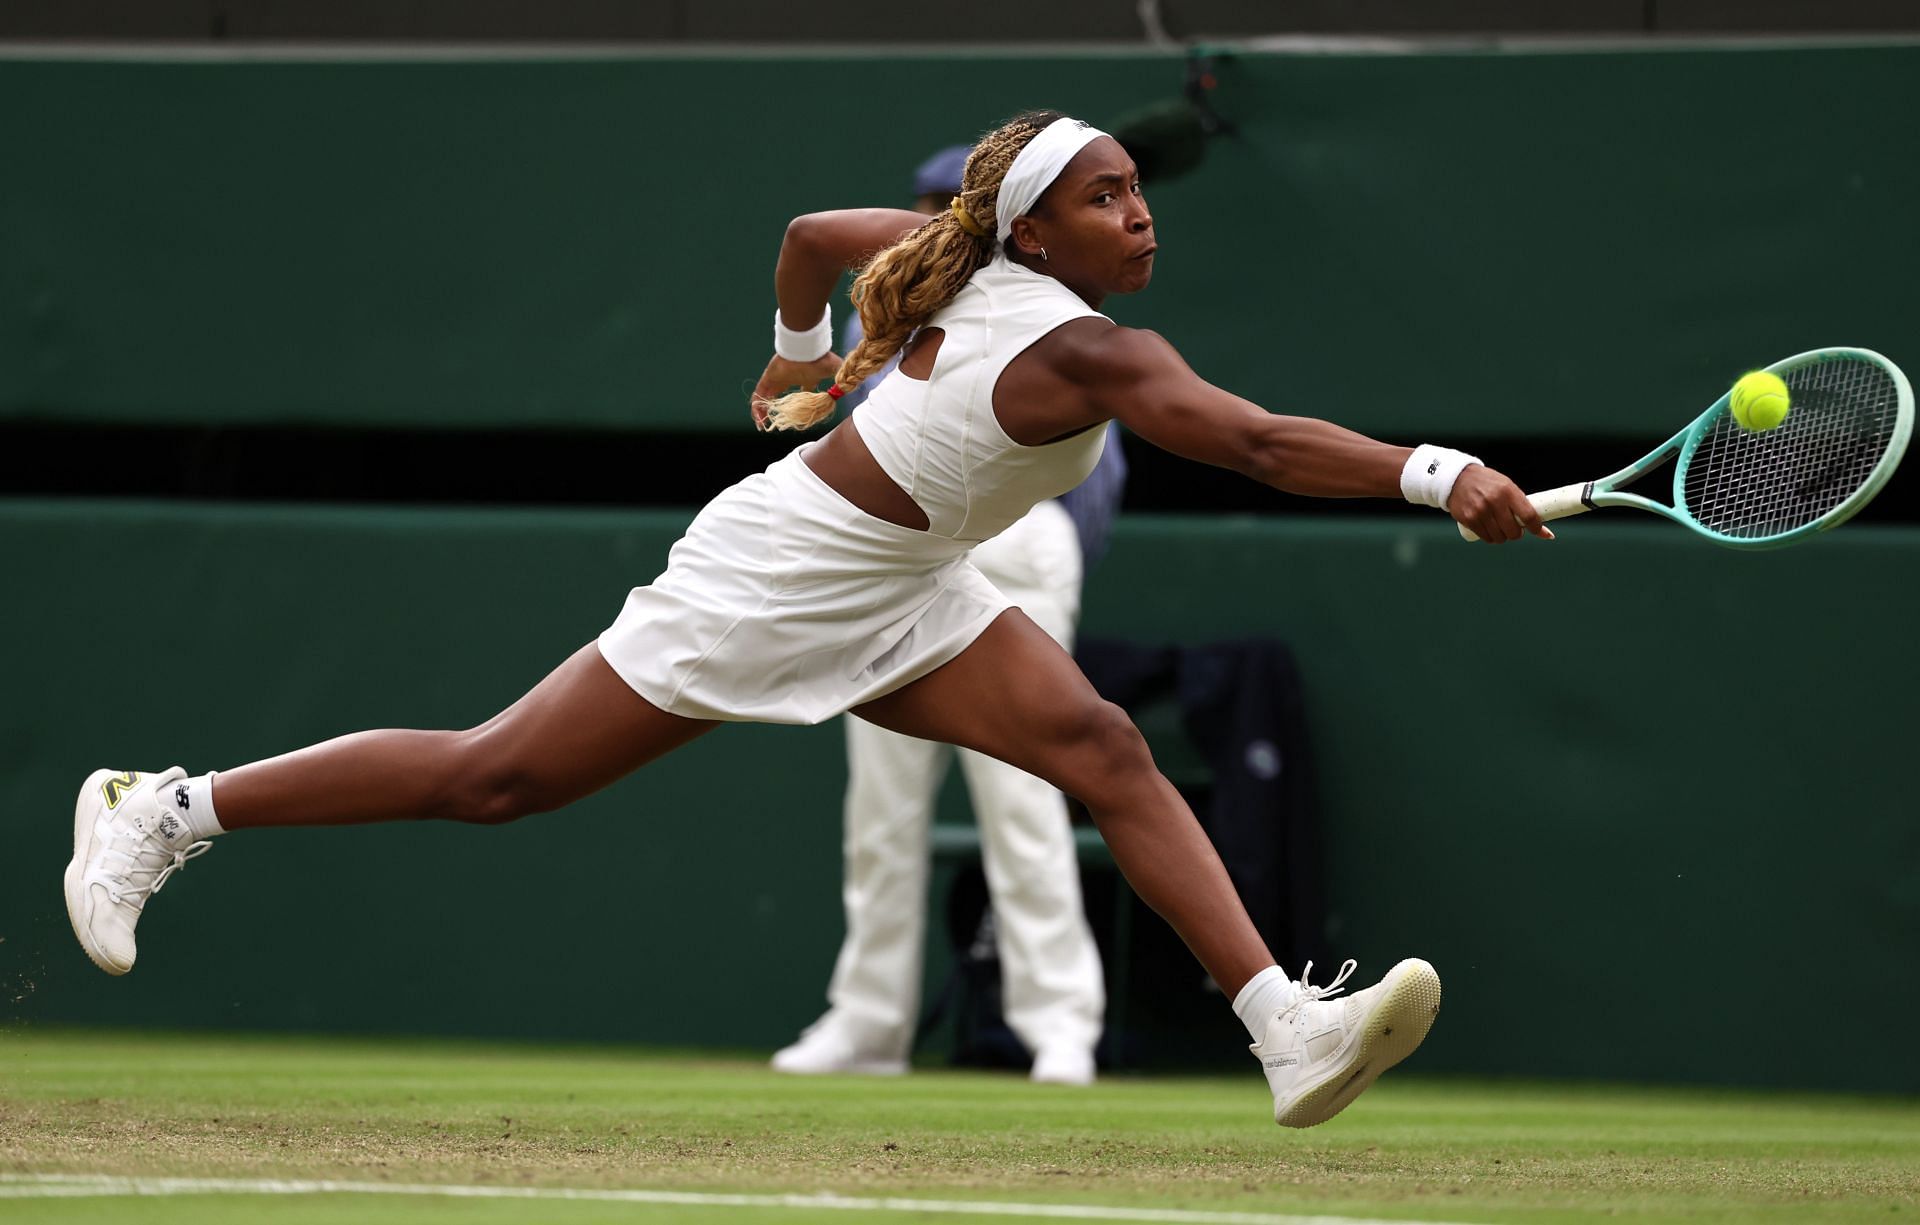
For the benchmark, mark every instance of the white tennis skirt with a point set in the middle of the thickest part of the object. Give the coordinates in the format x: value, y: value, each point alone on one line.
x: 786, y: 603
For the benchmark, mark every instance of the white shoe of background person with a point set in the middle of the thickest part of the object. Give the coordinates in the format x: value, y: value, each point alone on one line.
x: 1320, y: 1054
x: 1063, y: 1065
x: 126, y: 844
x: 833, y: 1045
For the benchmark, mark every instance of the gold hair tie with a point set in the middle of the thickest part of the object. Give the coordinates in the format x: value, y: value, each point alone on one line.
x: 966, y: 220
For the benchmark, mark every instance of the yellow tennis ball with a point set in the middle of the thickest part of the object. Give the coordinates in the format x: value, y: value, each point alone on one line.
x: 1760, y: 401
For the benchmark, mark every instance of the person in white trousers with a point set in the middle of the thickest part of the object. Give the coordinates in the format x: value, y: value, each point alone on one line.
x: 1054, y: 994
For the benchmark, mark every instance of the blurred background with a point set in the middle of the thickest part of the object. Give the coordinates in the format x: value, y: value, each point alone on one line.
x: 355, y: 359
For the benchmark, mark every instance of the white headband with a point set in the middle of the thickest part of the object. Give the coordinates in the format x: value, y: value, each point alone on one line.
x: 1037, y: 166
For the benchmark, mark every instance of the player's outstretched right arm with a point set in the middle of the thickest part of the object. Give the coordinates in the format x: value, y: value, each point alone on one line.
x: 1140, y: 379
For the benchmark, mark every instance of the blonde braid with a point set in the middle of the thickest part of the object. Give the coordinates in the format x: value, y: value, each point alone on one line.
x: 906, y: 283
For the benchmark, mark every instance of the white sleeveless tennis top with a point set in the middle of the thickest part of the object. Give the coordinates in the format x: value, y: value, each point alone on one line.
x: 938, y: 438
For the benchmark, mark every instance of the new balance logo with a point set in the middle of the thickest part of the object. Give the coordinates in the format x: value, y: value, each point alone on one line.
x: 180, y: 797
x: 116, y: 788
x: 1433, y: 467
x: 1279, y: 1061
x: 169, y: 826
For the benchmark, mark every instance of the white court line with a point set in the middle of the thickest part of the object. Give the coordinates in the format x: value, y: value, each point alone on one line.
x: 66, y: 1186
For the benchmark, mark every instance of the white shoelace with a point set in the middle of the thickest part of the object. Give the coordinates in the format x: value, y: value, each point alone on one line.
x: 1310, y: 994
x: 122, y: 887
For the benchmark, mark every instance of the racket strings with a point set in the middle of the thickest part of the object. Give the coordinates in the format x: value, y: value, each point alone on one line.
x: 1750, y: 484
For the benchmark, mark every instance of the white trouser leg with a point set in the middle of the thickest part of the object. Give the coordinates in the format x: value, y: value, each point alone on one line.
x: 1054, y: 993
x: 892, y: 780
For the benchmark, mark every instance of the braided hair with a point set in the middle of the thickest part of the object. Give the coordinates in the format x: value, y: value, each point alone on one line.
x: 906, y: 283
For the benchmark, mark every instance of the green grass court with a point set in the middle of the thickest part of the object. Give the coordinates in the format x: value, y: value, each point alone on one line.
x: 960, y: 1145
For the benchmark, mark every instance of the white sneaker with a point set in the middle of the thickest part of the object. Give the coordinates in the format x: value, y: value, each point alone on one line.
x: 833, y: 1045
x: 125, y: 846
x: 1319, y: 1056
x: 1063, y: 1065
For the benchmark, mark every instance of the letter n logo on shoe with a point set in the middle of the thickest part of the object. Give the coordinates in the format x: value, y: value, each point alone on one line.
x: 116, y: 788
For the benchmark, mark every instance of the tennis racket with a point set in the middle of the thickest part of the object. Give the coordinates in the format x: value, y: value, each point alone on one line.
x: 1850, y: 416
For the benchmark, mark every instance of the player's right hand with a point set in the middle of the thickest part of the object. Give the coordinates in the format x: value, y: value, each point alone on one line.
x: 1492, y: 507
x: 782, y: 376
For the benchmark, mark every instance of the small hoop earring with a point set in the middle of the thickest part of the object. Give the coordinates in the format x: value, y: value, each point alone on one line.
x: 1043, y: 253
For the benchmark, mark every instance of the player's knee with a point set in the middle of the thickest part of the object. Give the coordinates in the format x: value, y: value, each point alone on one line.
x: 480, y: 787
x: 1111, y: 748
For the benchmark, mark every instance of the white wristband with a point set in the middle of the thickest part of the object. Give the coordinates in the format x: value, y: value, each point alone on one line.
x: 811, y: 345
x: 1428, y: 478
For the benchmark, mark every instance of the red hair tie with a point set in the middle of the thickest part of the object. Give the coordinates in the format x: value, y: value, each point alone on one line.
x: 836, y: 391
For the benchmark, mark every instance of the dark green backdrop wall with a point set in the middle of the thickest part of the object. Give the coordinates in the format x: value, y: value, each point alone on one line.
x: 1414, y: 244
x: 1629, y: 792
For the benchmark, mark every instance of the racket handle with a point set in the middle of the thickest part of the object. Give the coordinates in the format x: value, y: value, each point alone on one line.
x: 1553, y: 504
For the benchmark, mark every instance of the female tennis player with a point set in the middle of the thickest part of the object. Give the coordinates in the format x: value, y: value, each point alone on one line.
x: 838, y: 580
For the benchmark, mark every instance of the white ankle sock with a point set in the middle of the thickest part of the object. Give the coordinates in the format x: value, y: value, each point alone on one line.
x: 1265, y: 994
x: 191, y: 799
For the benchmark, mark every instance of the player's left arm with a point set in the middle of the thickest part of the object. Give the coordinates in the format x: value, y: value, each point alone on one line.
x: 1140, y: 379
x: 816, y: 250
x: 818, y: 247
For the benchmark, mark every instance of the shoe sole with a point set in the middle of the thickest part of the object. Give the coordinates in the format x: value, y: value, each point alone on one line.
x: 83, y: 840
x: 1394, y: 1029
x: 857, y: 1068
x: 1071, y: 1082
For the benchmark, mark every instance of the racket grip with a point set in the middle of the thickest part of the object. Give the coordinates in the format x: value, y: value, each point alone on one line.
x: 1553, y: 504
